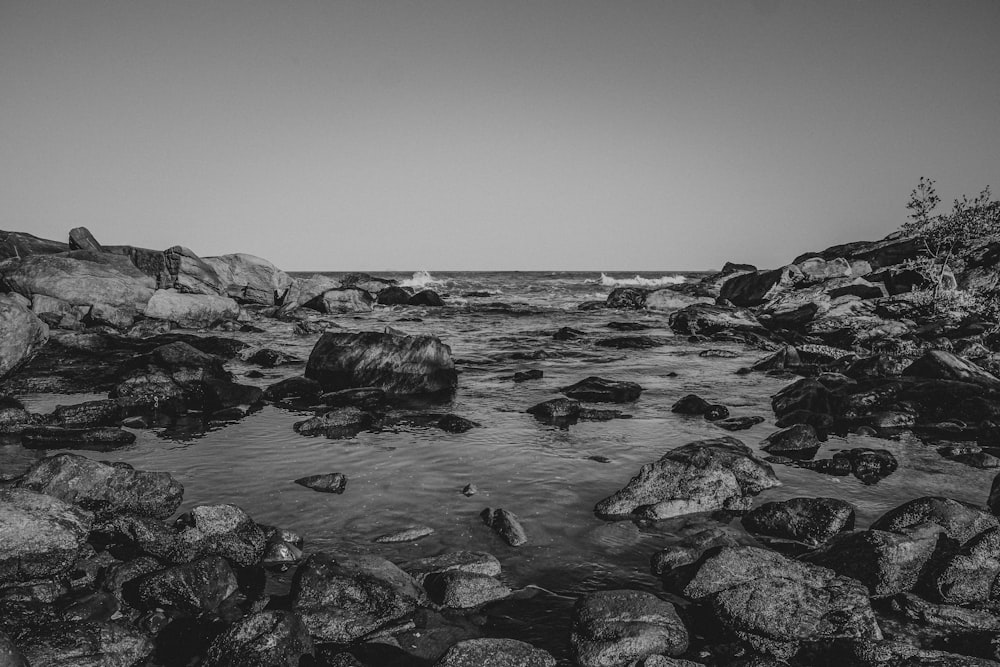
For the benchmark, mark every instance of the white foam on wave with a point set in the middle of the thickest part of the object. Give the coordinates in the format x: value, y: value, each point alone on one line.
x: 421, y: 279
x: 638, y: 281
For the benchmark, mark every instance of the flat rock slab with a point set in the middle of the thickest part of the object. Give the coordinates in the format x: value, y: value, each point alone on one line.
x: 600, y: 390
x: 103, y: 439
x: 495, y: 653
x: 811, y: 521
x: 331, y: 482
x: 410, y: 534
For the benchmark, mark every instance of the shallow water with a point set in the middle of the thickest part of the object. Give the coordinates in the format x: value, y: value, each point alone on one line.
x: 414, y: 475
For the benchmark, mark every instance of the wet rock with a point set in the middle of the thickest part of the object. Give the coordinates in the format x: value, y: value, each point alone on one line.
x: 692, y: 404
x: 411, y: 534
x: 798, y: 441
x: 105, y: 489
x: 558, y: 410
x: 774, y: 603
x: 343, y: 300
x: 757, y: 287
x: 524, y: 376
x: 463, y: 590
x: 426, y: 297
x: 21, y: 334
x: 42, y: 535
x: 191, y: 310
x: 968, y: 576
x: 366, y: 398
x: 595, y: 415
x: 626, y: 298
x: 941, y: 365
x: 10, y: 655
x: 567, y: 333
x: 708, y: 320
x: 85, y: 644
x: 718, y: 354
x: 495, y: 653
x: 280, y: 555
x: 628, y: 326
x: 631, y: 342
x: 339, y: 422
x: 506, y: 525
x: 599, y: 390
x: 271, y: 638
x: 618, y: 627
x: 869, y: 465
x: 268, y: 358
x: 222, y: 530
x: 738, y: 423
x: 294, y: 387
x: 394, y: 295
x: 455, y: 424
x: 82, y: 280
x: 192, y: 275
x: 469, y: 490
x: 396, y: 364
x: 331, y: 482
x: 56, y: 437
x: 345, y: 598
x: 690, y: 549
x: 811, y: 521
x: 473, y: 562
x: 250, y: 279
x: 706, y: 475
x: 961, y: 521
x: 192, y: 588
x: 806, y: 395
x: 173, y: 371
x: 89, y: 414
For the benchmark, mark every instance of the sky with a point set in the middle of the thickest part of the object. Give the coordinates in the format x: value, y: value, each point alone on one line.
x: 612, y: 135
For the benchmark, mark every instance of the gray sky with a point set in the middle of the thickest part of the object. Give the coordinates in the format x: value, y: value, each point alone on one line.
x: 509, y: 134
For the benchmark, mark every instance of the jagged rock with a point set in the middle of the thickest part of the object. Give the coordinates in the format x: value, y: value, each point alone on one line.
x: 42, y: 535
x: 173, y: 371
x: 270, y: 638
x: 506, y: 525
x: 80, y: 238
x: 463, y: 590
x: 473, y: 562
x: 191, y: 310
x: 618, y: 627
x: 628, y: 298
x: 105, y: 489
x: 798, y: 441
x: 495, y: 653
x: 305, y: 290
x: 81, y: 280
x: 192, y: 588
x: 817, y: 269
x: 344, y: 598
x: 394, y: 363
x: 337, y: 423
x: 961, y: 521
x: 753, y: 289
x: 811, y: 521
x: 597, y: 390
x: 222, y: 530
x: 869, y: 465
x: 332, y: 482
x: 85, y: 644
x: 255, y: 280
x: 721, y: 473
x: 192, y: 274
x: 426, y: 297
x: 941, y: 365
x: 706, y: 320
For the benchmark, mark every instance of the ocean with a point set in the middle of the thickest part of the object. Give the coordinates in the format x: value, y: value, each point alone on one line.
x: 548, y: 476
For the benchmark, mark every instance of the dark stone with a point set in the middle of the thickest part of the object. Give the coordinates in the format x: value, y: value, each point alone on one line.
x: 426, y: 298
x: 271, y: 638
x: 961, y: 521
x: 968, y: 576
x: 463, y: 590
x: 941, y: 365
x: 495, y: 653
x: 557, y: 410
x: 21, y: 244
x: 455, y: 424
x: 365, y: 398
x: 192, y: 588
x: 337, y: 423
x: 394, y: 295
x: 222, y: 530
x: 738, y: 423
x: 599, y: 390
x: 506, y: 525
x: 268, y: 358
x: 619, y: 627
x: 631, y: 342
x: 524, y: 376
x: 798, y: 442
x: 56, y: 437
x: 702, y: 319
x: 293, y: 387
x: 692, y: 404
x: 567, y: 333
x: 811, y: 521
x: 627, y: 298
x: 85, y: 644
x: 332, y: 482
x: 869, y: 465
x: 627, y: 326
x: 42, y: 535
x: 753, y: 289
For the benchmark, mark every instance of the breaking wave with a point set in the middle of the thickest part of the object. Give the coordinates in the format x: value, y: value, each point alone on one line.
x: 637, y: 281
x: 421, y: 279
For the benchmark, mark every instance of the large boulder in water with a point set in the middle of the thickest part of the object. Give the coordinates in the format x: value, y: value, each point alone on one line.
x: 192, y: 274
x: 255, y: 280
x: 621, y: 626
x: 753, y: 289
x: 396, y: 364
x: 191, y: 310
x: 343, y: 300
x: 83, y: 280
x: 42, y: 535
x: 627, y: 298
x: 707, y: 475
x: 21, y: 334
x: 304, y: 290
x: 706, y: 319
x: 105, y: 489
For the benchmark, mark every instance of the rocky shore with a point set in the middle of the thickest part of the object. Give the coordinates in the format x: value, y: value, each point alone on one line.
x: 97, y: 569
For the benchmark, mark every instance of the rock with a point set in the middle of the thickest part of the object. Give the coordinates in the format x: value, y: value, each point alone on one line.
x: 718, y: 354
x: 818, y: 270
x: 506, y: 525
x: 869, y: 465
x: 618, y: 627
x: 556, y: 411
x: 42, y: 535
x: 337, y: 423
x: 692, y: 404
x: 775, y: 603
x: 332, y: 482
x: 469, y: 490
x: 524, y: 376
x: 83, y: 280
x: 811, y: 521
x: 426, y: 297
x: 366, y: 281
x: 255, y: 280
x: 463, y: 590
x: 961, y: 521
x: 860, y: 288
x: 707, y: 320
x: 305, y: 290
x: 626, y: 298
x: 21, y: 335
x: 293, y: 387
x: 192, y: 588
x: 721, y: 473
x: 473, y: 562
x: 738, y: 423
x: 394, y: 295
x: 667, y: 299
x: 993, y: 502
x: 630, y: 342
x: 268, y: 358
x: 396, y: 364
x: 753, y: 289
x: 105, y: 489
x: 365, y: 398
x: 798, y: 441
x: 495, y: 653
x: 941, y: 365
x: 887, y: 563
x: 411, y: 534
x: 345, y: 598
x: 968, y: 577
x: 191, y: 310
x: 56, y: 437
x: 21, y: 244
x: 85, y: 644
x: 455, y: 424
x: 10, y: 655
x: 901, y: 280
x: 568, y: 333
x: 172, y: 371
x: 222, y: 530
x: 191, y: 274
x: 343, y: 300
x: 599, y: 390
x: 269, y: 638
x: 80, y: 238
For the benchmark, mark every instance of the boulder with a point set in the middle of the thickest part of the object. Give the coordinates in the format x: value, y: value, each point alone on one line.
x: 692, y: 404
x: 192, y: 588
x: 753, y: 289
x: 560, y: 411
x: 795, y: 309
x: 192, y: 275
x: 495, y: 653
x: 811, y: 521
x: 105, y: 489
x: 91, y: 278
x: 193, y: 310
x: 941, y: 365
x: 102, y: 439
x: 426, y: 297
x: 293, y: 387
x: 968, y: 576
x: 506, y: 525
x: 667, y: 299
x: 817, y: 269
x: 304, y: 290
x: 397, y: 364
x: 20, y: 244
x: 394, y: 295
x: 222, y: 530
x: 409, y: 534
x: 336, y: 423
x: 366, y: 281
x: 706, y: 320
x: 860, y: 288
x: 887, y: 563
x: 345, y: 598
x: 599, y: 390
x: 86, y: 644
x: 331, y: 482
x: 619, y: 627
x: 255, y: 280
x: 721, y: 473
x: 270, y: 638
x: 80, y: 238
x: 21, y: 335
x: 961, y: 521
x: 798, y: 441
x: 473, y: 562
x: 173, y: 371
x: 343, y: 300
x: 626, y: 298
x: 463, y: 590
x: 42, y: 535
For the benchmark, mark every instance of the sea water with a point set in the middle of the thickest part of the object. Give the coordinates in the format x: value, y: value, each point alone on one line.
x: 548, y: 476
